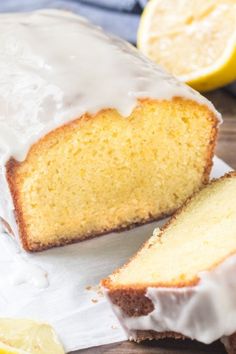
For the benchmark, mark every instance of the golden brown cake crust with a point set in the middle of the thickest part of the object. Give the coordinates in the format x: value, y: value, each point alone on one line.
x: 140, y: 336
x: 11, y: 170
x: 38, y: 247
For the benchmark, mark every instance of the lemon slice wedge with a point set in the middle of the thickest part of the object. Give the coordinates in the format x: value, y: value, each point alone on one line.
x: 194, y: 40
x: 19, y: 336
x: 6, y: 349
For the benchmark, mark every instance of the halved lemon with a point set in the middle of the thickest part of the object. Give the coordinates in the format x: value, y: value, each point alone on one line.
x: 195, y: 40
x: 20, y: 336
x: 6, y: 349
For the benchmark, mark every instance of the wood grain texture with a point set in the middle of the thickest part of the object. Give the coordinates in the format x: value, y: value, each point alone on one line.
x: 226, y: 104
x: 160, y: 347
x: 226, y: 149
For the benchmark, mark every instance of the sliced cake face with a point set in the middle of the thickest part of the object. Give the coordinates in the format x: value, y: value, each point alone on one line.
x: 182, y: 282
x: 199, y: 237
x: 107, y: 172
x: 94, y: 137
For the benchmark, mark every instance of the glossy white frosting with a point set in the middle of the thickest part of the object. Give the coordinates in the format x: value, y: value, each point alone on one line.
x: 24, y: 271
x: 205, y: 312
x: 54, y: 67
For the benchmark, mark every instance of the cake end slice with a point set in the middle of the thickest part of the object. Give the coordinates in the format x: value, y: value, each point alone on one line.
x: 182, y: 281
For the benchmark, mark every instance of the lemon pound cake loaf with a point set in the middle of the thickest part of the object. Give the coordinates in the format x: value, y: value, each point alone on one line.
x: 182, y: 282
x: 93, y: 136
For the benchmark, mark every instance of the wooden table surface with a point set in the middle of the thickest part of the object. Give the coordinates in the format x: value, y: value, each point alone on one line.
x: 226, y: 149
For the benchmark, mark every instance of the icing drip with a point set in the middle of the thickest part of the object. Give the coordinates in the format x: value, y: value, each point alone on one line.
x: 55, y: 66
x: 205, y: 312
x: 27, y: 272
x: 23, y: 270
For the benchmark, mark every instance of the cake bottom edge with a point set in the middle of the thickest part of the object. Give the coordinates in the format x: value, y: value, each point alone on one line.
x: 139, y: 336
x: 63, y: 241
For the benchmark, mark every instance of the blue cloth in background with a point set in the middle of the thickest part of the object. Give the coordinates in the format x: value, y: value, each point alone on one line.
x: 119, y: 17
x: 122, y: 5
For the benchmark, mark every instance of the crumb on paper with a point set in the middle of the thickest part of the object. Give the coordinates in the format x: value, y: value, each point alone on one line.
x: 156, y: 236
x: 114, y: 327
x: 94, y: 301
x: 96, y: 289
x: 156, y: 232
x: 100, y: 293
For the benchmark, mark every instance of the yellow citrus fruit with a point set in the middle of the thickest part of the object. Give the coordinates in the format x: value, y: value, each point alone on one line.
x: 18, y: 336
x: 195, y: 40
x: 6, y: 349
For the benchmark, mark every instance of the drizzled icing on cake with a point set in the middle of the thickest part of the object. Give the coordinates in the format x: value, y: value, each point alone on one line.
x: 205, y: 312
x: 55, y: 66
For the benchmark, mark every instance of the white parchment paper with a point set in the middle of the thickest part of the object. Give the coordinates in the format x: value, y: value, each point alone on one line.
x: 73, y: 302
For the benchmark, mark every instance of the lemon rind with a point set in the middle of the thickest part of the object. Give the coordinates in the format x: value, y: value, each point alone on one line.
x: 221, y: 73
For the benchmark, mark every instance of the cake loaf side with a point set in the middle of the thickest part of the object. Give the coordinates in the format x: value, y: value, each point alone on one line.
x: 93, y: 137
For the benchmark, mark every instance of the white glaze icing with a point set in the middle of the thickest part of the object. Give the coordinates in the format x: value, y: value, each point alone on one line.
x: 205, y: 312
x: 23, y: 269
x: 54, y: 67
x: 27, y: 272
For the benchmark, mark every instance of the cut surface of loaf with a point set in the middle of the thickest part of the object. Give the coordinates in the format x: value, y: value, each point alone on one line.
x: 182, y: 282
x: 94, y: 137
x: 105, y: 172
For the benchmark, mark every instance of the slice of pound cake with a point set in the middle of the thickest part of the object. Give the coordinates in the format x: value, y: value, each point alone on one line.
x: 182, y: 282
x: 93, y: 136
